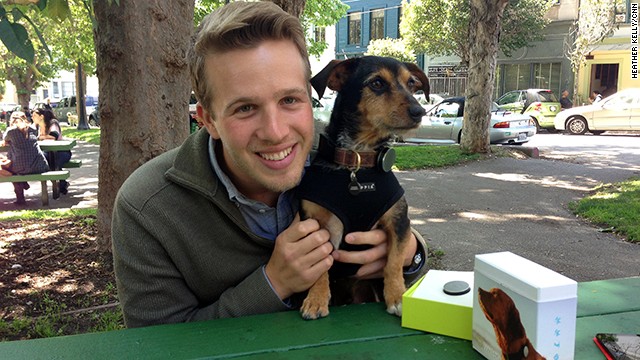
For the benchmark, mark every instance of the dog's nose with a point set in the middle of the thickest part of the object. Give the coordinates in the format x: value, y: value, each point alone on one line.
x: 416, y: 112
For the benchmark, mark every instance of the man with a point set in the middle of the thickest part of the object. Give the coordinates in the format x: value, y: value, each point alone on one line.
x: 565, y: 102
x: 596, y: 95
x: 210, y: 229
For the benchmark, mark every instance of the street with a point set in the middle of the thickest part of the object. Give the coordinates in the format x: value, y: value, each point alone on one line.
x: 521, y: 206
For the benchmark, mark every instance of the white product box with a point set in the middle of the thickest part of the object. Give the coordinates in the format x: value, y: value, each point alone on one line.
x: 532, y: 309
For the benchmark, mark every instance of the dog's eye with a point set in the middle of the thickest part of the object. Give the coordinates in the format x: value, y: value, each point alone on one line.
x: 376, y: 84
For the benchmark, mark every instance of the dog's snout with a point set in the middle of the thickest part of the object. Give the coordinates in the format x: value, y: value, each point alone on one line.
x: 416, y: 112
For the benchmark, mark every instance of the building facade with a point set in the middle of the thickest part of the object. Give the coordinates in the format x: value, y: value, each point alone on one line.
x: 543, y: 64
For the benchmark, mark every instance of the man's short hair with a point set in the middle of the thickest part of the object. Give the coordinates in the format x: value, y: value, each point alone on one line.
x: 240, y: 25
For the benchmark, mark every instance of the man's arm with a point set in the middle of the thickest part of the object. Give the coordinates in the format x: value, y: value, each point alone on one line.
x: 152, y: 290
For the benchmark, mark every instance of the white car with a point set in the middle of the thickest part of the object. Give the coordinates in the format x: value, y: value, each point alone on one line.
x: 443, y: 125
x: 618, y: 112
x: 433, y: 99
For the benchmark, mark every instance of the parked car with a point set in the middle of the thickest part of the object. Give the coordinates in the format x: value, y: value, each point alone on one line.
x: 43, y: 104
x: 67, y: 106
x: 94, y: 118
x: 443, y: 124
x: 541, y: 104
x: 433, y: 99
x: 4, y: 108
x: 321, y: 117
x: 620, y: 111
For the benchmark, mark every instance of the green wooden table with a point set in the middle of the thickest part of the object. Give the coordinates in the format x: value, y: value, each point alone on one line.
x: 350, y: 332
x: 50, y: 145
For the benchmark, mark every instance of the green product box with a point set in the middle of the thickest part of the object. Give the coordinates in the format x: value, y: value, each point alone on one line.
x: 425, y: 306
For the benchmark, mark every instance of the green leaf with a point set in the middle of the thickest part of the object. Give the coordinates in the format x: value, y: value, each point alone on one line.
x: 58, y: 9
x: 16, y: 39
x: 42, y: 4
x: 39, y: 34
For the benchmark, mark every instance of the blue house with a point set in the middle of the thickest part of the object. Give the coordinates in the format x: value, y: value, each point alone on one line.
x: 366, y: 21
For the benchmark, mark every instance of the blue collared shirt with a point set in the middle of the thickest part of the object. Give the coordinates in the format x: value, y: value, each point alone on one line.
x: 262, y: 219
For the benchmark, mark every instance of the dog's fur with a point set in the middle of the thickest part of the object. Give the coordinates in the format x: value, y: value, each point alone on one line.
x: 502, y: 313
x: 374, y: 102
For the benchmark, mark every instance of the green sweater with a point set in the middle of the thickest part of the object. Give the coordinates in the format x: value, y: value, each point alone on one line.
x: 182, y: 250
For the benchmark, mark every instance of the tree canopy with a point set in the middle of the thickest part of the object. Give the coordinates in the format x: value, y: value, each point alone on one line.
x: 441, y: 27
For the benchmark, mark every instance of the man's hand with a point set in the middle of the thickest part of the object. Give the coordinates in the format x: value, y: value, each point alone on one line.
x: 374, y: 259
x: 302, y: 253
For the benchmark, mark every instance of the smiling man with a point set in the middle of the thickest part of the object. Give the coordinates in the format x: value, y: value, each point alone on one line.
x: 209, y: 229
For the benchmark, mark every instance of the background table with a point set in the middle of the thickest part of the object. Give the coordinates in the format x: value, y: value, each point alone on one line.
x: 350, y: 332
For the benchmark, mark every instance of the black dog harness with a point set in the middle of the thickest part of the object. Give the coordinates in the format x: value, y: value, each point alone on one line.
x: 330, y: 188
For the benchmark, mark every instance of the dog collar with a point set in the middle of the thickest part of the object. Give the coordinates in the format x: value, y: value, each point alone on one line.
x: 383, y: 159
x: 520, y: 354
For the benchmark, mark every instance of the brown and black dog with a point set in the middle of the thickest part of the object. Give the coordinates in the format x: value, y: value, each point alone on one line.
x: 349, y: 186
x: 500, y: 310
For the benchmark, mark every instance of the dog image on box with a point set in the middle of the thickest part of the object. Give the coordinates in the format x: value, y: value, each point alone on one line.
x: 511, y: 337
x: 349, y: 185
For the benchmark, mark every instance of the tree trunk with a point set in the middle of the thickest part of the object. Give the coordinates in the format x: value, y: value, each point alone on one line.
x: 484, y: 33
x: 81, y: 108
x: 293, y: 7
x: 144, y: 89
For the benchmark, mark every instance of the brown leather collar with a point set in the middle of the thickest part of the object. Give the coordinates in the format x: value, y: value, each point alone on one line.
x: 346, y: 157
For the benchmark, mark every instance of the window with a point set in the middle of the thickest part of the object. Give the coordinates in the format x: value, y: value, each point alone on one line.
x: 56, y: 89
x: 319, y: 34
x: 68, y: 88
x: 377, y: 24
x: 355, y: 28
x: 516, y: 76
x: 547, y: 76
x: 622, y: 11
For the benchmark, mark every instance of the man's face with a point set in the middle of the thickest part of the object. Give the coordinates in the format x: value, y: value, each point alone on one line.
x: 263, y: 117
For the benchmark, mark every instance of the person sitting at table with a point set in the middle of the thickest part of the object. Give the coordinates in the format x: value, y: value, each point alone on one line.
x: 49, y: 129
x: 24, y: 155
x: 209, y: 229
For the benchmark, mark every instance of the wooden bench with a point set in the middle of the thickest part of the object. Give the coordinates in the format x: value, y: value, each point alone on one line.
x: 53, y: 176
x: 72, y: 164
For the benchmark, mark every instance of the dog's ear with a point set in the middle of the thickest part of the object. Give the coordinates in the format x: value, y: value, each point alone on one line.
x: 422, y: 77
x: 334, y: 75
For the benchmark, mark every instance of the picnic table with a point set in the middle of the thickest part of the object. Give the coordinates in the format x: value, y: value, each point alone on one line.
x: 349, y: 332
x: 53, y: 176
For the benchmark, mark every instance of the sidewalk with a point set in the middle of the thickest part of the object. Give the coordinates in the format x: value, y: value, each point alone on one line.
x: 83, y: 188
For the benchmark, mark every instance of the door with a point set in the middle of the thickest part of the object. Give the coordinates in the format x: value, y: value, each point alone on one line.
x: 614, y: 114
x: 440, y: 122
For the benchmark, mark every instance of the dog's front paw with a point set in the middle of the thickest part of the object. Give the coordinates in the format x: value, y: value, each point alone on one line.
x: 312, y: 310
x: 395, y: 309
x: 393, y: 291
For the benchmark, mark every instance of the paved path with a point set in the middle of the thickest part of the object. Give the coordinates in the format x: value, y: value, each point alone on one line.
x: 501, y: 204
x: 520, y: 206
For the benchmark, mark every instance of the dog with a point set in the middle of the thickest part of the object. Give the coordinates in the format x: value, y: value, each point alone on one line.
x: 502, y: 313
x: 374, y: 103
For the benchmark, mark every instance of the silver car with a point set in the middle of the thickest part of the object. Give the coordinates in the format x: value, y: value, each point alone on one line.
x: 620, y: 111
x: 443, y: 124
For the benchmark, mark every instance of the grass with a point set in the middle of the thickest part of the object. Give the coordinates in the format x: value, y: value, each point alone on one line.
x: 45, y: 214
x: 616, y: 207
x: 431, y: 156
x: 92, y: 135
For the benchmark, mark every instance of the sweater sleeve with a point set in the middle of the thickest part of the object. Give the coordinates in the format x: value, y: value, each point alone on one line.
x: 152, y: 290
x: 410, y: 277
